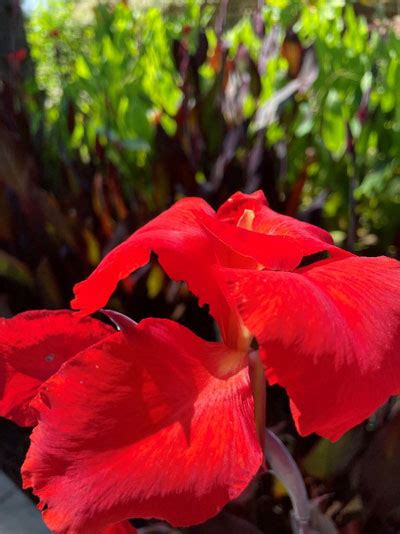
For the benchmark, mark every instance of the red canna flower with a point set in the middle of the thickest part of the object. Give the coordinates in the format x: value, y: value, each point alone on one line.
x: 327, y: 331
x: 152, y: 421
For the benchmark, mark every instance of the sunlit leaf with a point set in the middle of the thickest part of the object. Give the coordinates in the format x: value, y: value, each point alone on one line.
x: 334, y: 127
x: 155, y: 281
x: 327, y: 458
x: 82, y: 68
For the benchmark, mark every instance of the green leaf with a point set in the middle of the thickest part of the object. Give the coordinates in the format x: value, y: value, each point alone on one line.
x: 333, y: 126
x: 82, y: 69
x: 327, y: 459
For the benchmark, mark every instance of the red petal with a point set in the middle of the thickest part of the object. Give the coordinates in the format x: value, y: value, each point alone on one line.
x: 151, y: 422
x: 232, y: 210
x: 330, y: 336
x: 120, y: 528
x: 274, y: 252
x: 33, y: 345
x: 175, y: 236
x: 188, y: 251
x: 310, y: 238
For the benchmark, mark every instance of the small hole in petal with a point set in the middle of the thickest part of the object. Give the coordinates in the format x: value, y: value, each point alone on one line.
x: 49, y: 358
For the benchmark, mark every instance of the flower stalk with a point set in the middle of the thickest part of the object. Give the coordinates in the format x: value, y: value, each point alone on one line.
x: 286, y: 470
x: 258, y: 384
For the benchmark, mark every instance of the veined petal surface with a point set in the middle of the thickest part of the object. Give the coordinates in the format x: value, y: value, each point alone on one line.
x: 33, y: 346
x: 329, y: 334
x: 150, y: 422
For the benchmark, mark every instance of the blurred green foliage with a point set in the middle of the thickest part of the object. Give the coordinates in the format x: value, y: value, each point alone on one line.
x: 113, y: 80
x: 107, y: 81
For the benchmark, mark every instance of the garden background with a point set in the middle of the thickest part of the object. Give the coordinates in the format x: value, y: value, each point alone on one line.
x: 111, y: 111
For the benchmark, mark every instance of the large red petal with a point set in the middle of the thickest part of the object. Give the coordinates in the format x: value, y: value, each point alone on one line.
x: 311, y: 239
x: 330, y: 335
x: 188, y: 251
x: 150, y: 422
x: 33, y: 346
x: 175, y: 231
